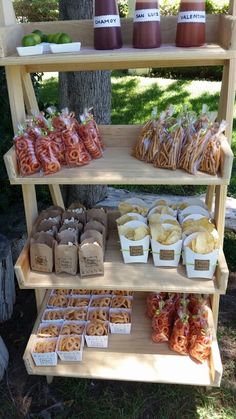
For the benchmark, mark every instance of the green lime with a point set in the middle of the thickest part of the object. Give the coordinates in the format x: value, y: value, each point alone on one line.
x: 28, y: 41
x: 37, y: 38
x: 38, y: 32
x: 64, y: 39
x: 50, y: 37
x: 44, y: 38
x: 55, y: 37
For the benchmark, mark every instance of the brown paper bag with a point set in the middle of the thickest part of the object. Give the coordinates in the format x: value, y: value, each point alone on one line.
x: 66, y: 252
x: 96, y: 225
x: 41, y: 252
x: 95, y: 235
x: 73, y: 216
x: 49, y: 215
x: 45, y: 226
x: 97, y: 214
x: 91, y: 258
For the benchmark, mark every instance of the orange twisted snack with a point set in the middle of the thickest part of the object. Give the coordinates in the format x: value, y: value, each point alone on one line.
x: 96, y: 329
x: 54, y: 315
x: 45, y: 347
x: 180, y: 335
x: 99, y: 315
x: 50, y: 331
x: 121, y: 317
x: 70, y: 343
x: 57, y: 301
x: 101, y: 302
x: 75, y: 151
x: 79, y: 314
x: 78, y: 302
x: 121, y: 302
x: 27, y: 160
x: 46, y: 156
x: 72, y: 329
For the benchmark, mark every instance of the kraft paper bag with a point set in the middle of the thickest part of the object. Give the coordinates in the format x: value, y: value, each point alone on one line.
x: 91, y: 258
x: 66, y: 252
x: 41, y: 252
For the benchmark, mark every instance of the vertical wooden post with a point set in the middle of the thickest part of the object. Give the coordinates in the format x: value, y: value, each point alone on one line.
x: 28, y: 92
x: 227, y: 96
x: 232, y: 8
x: 56, y: 195
x: 16, y: 97
x: 7, y: 14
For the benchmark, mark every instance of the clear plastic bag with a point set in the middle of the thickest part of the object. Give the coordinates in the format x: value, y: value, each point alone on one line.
x: 27, y: 161
x: 90, y: 137
x: 75, y: 151
x: 46, y: 156
x: 211, y: 159
x: 180, y: 334
x: 170, y: 148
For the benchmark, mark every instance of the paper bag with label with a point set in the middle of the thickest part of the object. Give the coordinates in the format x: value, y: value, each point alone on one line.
x: 66, y: 259
x: 45, y: 226
x: 70, y: 216
x: 91, y: 257
x: 92, y: 234
x: 98, y: 214
x: 41, y: 252
x: 96, y: 225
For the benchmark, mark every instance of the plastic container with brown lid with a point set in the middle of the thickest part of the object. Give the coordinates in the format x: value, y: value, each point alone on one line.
x: 146, y: 30
x: 107, y: 30
x: 191, y: 24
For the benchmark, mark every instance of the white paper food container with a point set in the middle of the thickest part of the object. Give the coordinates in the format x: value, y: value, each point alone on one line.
x: 190, y: 217
x: 135, y: 251
x: 90, y: 310
x: 129, y: 297
x: 98, y: 297
x: 62, y: 310
x: 154, y: 210
x: 34, y: 50
x: 60, y: 48
x: 76, y: 322
x: 198, y: 265
x: 44, y: 360
x: 46, y: 324
x: 192, y: 209
x: 73, y: 356
x: 121, y: 328
x: 78, y: 297
x: 166, y: 255
x: 97, y: 341
x: 197, y: 202
x: 139, y: 217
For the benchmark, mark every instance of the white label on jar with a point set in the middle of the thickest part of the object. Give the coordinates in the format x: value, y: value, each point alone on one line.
x: 192, y: 17
x: 106, y: 21
x: 147, y: 15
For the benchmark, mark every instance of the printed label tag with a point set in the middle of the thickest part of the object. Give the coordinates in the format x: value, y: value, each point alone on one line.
x: 201, y: 265
x: 106, y: 21
x: 167, y: 254
x: 41, y: 260
x: 192, y: 17
x: 147, y: 15
x: 65, y: 263
x: 136, y: 250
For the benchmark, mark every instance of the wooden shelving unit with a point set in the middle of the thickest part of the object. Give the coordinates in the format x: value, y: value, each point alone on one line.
x: 136, y: 357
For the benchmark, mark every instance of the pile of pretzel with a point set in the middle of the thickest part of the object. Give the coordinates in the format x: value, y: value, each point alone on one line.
x: 47, y: 144
x: 182, y: 140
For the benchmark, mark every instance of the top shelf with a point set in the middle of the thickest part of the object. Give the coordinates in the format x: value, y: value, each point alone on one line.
x: 220, y: 47
x: 127, y: 57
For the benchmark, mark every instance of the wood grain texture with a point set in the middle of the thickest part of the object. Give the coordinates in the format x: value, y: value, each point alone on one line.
x: 119, y: 167
x: 134, y: 357
x: 138, y: 277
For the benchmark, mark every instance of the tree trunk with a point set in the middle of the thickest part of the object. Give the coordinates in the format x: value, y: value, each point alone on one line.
x: 79, y: 90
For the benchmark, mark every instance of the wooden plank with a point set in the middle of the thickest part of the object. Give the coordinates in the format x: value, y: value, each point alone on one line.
x: 227, y: 32
x: 232, y: 8
x: 221, y: 195
x: 127, y: 57
x: 16, y: 98
x: 210, y: 197
x: 134, y: 357
x: 29, y: 94
x: 7, y: 14
x: 10, y: 38
x: 56, y: 195
x: 123, y: 276
x: 116, y: 167
x: 227, y: 98
x: 30, y: 204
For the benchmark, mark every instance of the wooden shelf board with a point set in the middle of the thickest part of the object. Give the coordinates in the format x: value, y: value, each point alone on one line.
x: 126, y: 57
x: 134, y: 357
x: 116, y: 167
x: 138, y: 277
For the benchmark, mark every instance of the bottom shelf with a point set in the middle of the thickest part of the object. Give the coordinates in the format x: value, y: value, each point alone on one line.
x: 134, y: 357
